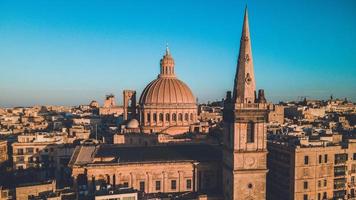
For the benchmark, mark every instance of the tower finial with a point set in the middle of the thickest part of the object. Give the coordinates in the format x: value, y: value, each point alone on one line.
x: 167, y: 49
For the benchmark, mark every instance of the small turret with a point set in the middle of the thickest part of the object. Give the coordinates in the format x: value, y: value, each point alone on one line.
x: 261, y: 97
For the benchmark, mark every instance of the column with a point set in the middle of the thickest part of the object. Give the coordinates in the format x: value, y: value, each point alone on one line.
x: 195, y: 177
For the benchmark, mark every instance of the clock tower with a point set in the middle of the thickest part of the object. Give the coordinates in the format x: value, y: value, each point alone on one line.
x: 244, y: 140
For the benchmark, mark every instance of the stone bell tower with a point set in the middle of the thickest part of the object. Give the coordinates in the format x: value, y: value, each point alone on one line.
x: 244, y: 152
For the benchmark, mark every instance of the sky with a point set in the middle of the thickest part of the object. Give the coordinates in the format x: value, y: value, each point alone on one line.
x: 69, y: 52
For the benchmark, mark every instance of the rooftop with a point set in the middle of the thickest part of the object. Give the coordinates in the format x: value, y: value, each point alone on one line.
x: 107, y: 153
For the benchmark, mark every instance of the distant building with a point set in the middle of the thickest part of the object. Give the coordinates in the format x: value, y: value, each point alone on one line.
x: 276, y: 114
x: 121, y: 193
x: 3, y: 151
x: 48, y: 152
x: 23, y: 192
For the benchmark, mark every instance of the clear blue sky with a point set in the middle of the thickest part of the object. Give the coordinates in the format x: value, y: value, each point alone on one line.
x: 69, y: 52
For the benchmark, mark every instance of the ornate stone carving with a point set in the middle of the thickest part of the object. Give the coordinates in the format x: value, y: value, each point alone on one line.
x: 248, y: 79
x: 250, y: 162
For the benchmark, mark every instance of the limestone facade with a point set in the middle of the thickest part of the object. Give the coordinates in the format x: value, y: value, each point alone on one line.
x: 312, y: 171
x: 245, y: 132
x: 150, y: 175
x: 3, y: 151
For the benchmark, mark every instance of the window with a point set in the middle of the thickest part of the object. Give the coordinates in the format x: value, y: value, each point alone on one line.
x: 173, y: 184
x: 167, y: 117
x: 191, y: 116
x: 305, y: 197
x: 325, y: 196
x: 174, y: 117
x: 354, y: 156
x: 306, y: 160
x: 189, y: 184
x: 142, y: 186
x: 340, y: 158
x: 319, y: 196
x: 161, y: 117
x: 180, y: 117
x: 325, y: 183
x: 155, y: 117
x: 326, y: 158
x: 126, y: 184
x: 29, y: 150
x: 20, y: 151
x: 319, y: 183
x: 353, y: 168
x: 339, y: 183
x: 186, y: 117
x: 305, y: 185
x: 339, y: 170
x: 250, y: 132
x: 20, y: 159
x: 352, y: 180
x: 148, y: 117
x: 158, y: 185
x: 320, y: 159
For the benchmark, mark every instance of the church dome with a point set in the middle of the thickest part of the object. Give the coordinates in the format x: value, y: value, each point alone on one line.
x: 133, y: 123
x: 167, y: 88
x: 167, y: 105
x: 167, y: 91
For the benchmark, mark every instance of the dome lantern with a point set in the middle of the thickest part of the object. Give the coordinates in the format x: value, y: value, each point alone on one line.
x: 167, y: 65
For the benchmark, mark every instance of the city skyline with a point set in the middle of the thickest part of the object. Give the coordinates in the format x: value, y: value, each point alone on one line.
x: 71, y: 53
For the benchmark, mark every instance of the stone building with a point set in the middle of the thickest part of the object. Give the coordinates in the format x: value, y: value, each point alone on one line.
x: 320, y: 168
x: 276, y: 114
x: 181, y: 168
x: 167, y: 104
x: 48, y: 152
x: 110, y: 107
x: 23, y: 192
x: 3, y: 151
x: 244, y: 139
x: 235, y: 170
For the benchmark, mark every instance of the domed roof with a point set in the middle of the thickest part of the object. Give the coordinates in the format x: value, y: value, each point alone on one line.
x: 133, y: 123
x: 167, y: 88
x: 167, y: 91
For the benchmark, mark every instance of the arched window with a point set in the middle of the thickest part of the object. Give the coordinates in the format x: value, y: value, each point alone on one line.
x: 148, y: 117
x: 174, y: 117
x: 250, y: 132
x: 186, y: 117
x: 161, y: 117
x: 191, y: 116
x: 180, y: 117
x: 155, y: 117
x: 167, y: 117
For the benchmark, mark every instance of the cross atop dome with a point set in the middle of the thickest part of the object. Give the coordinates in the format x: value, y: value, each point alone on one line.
x: 167, y: 49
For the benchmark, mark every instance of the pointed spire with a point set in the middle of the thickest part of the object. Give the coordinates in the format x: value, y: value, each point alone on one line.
x: 244, y: 88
